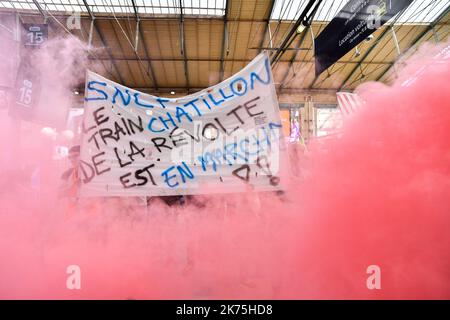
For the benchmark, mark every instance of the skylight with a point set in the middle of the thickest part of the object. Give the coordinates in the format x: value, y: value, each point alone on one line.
x: 420, y: 11
x: 151, y: 7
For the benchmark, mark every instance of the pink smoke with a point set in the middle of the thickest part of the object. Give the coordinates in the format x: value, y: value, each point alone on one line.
x: 375, y: 195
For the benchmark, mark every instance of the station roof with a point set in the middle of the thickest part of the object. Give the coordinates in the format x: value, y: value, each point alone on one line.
x: 187, y: 45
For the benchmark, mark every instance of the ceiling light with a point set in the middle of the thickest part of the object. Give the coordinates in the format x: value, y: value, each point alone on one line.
x: 301, y: 27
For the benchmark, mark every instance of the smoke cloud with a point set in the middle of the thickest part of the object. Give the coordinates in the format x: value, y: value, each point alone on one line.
x: 376, y: 194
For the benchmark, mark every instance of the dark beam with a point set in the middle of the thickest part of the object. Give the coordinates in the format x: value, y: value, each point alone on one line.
x: 368, y: 52
x: 291, y: 62
x: 37, y: 4
x: 183, y: 45
x: 144, y: 43
x: 317, y: 76
x: 287, y: 49
x: 103, y: 16
x: 224, y: 42
x: 226, y: 60
x: 116, y: 40
x: 120, y: 16
x: 266, y: 27
x: 168, y: 90
x: 136, y: 15
x: 292, y: 32
x: 307, y: 22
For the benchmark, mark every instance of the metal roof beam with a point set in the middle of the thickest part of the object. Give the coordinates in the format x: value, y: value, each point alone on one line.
x: 144, y: 43
x: 224, y: 43
x: 102, y: 16
x: 102, y: 39
x: 226, y: 60
x: 375, y: 43
x: 183, y: 45
x: 266, y: 27
x: 291, y: 62
x: 38, y: 6
x: 168, y: 90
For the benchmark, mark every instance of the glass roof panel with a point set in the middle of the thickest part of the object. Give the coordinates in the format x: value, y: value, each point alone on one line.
x: 154, y: 7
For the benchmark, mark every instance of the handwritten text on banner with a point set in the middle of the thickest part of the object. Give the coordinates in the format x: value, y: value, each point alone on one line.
x: 226, y: 138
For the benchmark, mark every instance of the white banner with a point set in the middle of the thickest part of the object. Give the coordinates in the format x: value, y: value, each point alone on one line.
x: 226, y: 138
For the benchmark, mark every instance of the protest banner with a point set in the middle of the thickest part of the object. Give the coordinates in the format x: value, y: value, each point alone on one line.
x: 226, y: 138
